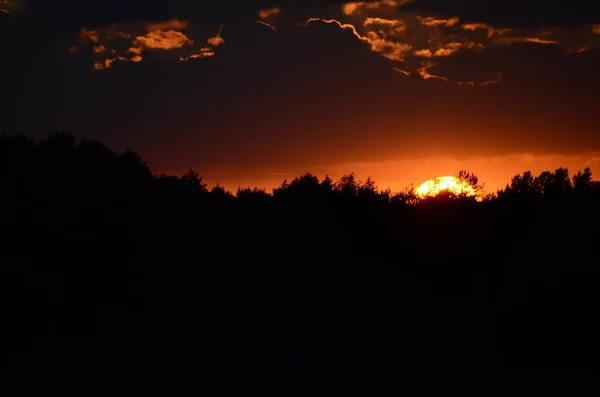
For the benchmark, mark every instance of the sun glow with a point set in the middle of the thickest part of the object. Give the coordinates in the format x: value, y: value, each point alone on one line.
x: 440, y: 184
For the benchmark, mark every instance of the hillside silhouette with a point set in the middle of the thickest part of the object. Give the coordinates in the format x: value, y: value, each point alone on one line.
x: 113, y: 275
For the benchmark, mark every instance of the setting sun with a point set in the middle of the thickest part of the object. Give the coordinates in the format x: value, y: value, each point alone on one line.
x: 445, y: 183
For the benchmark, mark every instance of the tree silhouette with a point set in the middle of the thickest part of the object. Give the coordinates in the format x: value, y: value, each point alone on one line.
x: 103, y: 258
x: 471, y: 180
x: 347, y: 185
x: 407, y: 196
x: 193, y: 182
x: 523, y: 185
x: 582, y: 182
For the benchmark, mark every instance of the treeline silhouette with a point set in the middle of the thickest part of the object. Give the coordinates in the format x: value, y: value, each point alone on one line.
x: 114, y: 275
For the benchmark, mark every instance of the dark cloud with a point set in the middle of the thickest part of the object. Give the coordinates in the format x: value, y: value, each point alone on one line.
x: 513, y: 13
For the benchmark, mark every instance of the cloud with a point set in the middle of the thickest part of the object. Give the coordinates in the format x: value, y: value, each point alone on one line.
x: 273, y: 28
x: 490, y: 30
x: 266, y: 13
x: 208, y: 50
x: 204, y: 52
x: 84, y: 38
x: 596, y: 28
x: 359, y: 6
x: 426, y: 75
x: 446, y: 49
x: 535, y: 40
x: 113, y: 43
x: 580, y: 49
x: 164, y: 40
x: 408, y: 40
x: 422, y: 45
x: 497, y: 79
x: 378, y: 42
x: 431, y: 21
x: 107, y: 63
x: 397, y: 26
x: 218, y: 39
x: 402, y: 71
x: 415, y: 43
x: 293, y: 72
x: 91, y: 35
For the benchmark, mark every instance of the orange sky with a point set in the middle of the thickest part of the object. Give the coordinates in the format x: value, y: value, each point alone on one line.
x: 401, y: 91
x: 494, y: 172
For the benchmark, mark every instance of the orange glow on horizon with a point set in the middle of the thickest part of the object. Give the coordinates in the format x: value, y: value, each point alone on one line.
x: 433, y: 187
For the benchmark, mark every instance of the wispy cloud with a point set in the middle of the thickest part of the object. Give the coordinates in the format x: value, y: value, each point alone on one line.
x: 5, y: 6
x: 377, y: 41
x: 266, y: 13
x: 273, y: 28
x: 415, y: 44
x: 389, y: 38
x: 395, y: 25
x: 91, y: 35
x: 84, y: 38
x: 347, y: 26
x: 218, y: 39
x: 418, y: 44
x: 208, y: 50
x: 402, y: 71
x: 535, y: 40
x: 446, y: 49
x: 431, y: 21
x: 355, y: 7
x: 482, y: 26
x: 161, y: 39
x: 426, y: 75
x: 497, y: 79
x: 579, y: 49
x: 115, y: 43
x: 204, y: 52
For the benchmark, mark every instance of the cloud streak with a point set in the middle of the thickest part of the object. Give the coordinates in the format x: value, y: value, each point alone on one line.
x: 378, y: 42
x: 535, y: 40
x: 268, y: 25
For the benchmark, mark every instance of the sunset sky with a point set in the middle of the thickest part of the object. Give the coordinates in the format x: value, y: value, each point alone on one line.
x: 251, y: 92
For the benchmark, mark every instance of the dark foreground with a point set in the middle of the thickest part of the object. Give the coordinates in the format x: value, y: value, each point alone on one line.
x: 140, y: 283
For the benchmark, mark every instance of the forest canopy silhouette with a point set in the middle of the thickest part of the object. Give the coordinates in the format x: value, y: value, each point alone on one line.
x: 102, y: 259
